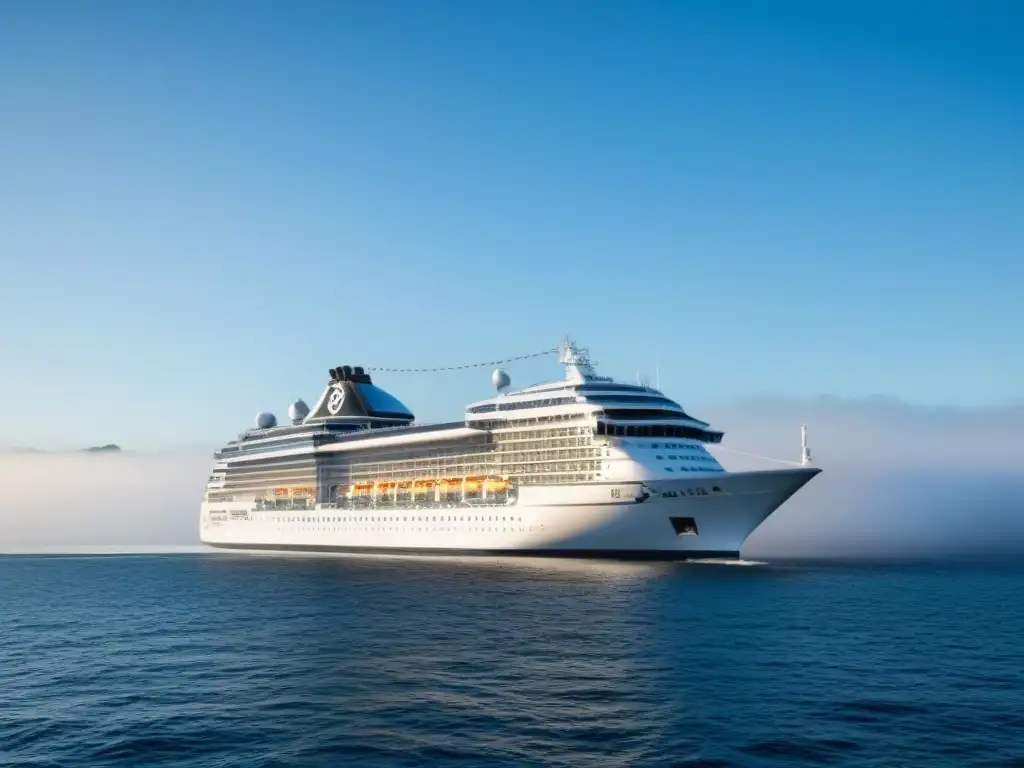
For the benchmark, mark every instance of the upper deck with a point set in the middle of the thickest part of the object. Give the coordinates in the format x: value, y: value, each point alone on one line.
x: 614, y: 408
x: 352, y: 413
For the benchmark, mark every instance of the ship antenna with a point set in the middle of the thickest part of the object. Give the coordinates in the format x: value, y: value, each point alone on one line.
x: 579, y: 366
x: 805, y: 451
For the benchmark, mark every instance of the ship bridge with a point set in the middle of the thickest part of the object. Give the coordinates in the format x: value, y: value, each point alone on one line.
x: 614, y: 408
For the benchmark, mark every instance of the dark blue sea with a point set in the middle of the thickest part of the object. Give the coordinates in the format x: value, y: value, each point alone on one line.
x: 259, y: 661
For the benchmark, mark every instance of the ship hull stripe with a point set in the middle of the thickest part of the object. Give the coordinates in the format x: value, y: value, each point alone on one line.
x: 603, y: 554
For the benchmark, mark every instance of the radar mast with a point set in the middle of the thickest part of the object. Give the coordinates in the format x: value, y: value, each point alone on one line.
x: 578, y: 365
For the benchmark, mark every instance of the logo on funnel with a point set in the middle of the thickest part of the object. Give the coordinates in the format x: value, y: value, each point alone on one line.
x: 335, y: 401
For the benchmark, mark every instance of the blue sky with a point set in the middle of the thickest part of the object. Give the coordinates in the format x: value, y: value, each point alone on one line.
x: 204, y: 206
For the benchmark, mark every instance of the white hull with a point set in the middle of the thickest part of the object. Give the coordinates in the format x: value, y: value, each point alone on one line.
x: 601, y: 519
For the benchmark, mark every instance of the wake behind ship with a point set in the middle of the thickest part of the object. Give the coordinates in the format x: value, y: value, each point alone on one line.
x: 580, y: 467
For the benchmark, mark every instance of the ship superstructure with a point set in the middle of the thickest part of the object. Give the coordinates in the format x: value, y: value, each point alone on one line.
x: 584, y: 466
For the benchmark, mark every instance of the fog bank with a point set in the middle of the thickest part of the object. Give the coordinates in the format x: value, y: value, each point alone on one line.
x: 898, y: 481
x: 101, y: 499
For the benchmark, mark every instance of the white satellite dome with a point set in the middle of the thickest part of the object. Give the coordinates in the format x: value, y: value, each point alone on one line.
x: 297, y: 411
x: 500, y: 379
x: 265, y: 420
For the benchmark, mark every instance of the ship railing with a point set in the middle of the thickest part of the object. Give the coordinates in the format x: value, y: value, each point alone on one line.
x: 407, y: 503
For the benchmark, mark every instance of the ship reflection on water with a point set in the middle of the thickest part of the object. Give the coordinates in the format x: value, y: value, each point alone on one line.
x: 581, y: 569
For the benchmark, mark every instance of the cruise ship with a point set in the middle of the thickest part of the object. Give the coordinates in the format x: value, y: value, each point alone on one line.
x: 584, y: 466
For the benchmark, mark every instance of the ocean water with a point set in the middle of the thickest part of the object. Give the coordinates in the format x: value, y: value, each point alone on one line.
x: 233, y: 660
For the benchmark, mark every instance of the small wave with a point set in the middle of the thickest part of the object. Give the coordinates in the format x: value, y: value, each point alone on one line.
x: 113, y: 549
x: 200, y: 661
x: 804, y: 750
x: 872, y: 708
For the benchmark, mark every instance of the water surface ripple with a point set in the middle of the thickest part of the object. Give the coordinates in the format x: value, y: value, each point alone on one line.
x: 234, y: 660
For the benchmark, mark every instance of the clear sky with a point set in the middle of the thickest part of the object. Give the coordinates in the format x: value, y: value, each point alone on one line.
x: 204, y: 206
